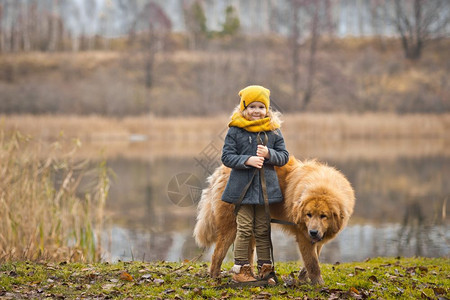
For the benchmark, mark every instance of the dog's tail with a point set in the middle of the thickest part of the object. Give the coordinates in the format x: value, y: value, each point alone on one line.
x: 205, y: 228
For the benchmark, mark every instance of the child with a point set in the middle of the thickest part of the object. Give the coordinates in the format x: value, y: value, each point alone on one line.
x: 246, y: 150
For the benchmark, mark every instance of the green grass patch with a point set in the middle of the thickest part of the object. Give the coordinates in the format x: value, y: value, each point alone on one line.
x: 386, y: 278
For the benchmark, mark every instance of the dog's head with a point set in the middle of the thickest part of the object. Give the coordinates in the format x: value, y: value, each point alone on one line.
x: 321, y: 215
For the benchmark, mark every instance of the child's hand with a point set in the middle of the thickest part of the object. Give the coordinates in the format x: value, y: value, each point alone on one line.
x: 255, y: 161
x: 263, y: 151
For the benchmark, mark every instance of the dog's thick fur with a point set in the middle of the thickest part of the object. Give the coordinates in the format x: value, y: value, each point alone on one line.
x: 318, y: 198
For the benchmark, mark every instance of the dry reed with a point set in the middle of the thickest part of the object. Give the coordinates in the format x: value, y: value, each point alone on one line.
x: 42, y: 215
x: 322, y: 135
x: 311, y: 126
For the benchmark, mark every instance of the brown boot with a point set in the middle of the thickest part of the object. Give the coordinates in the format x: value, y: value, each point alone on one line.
x: 242, y: 273
x: 267, y: 272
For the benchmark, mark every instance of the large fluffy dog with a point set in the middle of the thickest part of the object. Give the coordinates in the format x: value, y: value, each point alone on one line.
x: 317, y: 198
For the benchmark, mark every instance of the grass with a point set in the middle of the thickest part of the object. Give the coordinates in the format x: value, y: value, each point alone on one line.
x: 377, y: 278
x: 47, y: 208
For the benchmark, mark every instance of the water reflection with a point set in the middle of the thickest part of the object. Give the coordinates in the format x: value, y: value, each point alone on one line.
x: 400, y: 210
x: 355, y: 243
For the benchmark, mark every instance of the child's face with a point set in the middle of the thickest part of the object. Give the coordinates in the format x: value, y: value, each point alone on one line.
x: 255, y: 111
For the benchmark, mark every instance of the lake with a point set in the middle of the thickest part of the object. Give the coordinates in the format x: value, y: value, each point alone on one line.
x: 402, y: 191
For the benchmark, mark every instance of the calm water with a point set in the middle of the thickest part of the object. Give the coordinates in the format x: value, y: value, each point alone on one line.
x: 402, y: 196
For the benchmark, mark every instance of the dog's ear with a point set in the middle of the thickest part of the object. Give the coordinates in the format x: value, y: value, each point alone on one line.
x: 298, y: 215
x: 336, y: 219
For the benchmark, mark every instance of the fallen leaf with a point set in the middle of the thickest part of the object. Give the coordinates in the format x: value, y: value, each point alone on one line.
x: 354, y: 290
x: 373, y: 278
x: 400, y: 291
x: 289, y: 281
x: 224, y: 295
x: 108, y: 286
x: 197, y: 291
x: 13, y: 274
x: 93, y: 275
x: 411, y: 270
x: 263, y: 295
x: 126, y: 276
x: 439, y: 291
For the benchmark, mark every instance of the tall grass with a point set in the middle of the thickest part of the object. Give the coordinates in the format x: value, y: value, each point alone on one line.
x: 311, y: 126
x: 47, y: 208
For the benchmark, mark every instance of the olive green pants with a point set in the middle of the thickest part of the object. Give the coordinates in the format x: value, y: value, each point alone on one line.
x: 252, y: 220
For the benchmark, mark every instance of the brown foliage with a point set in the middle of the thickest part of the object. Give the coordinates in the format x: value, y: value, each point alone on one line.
x: 350, y: 76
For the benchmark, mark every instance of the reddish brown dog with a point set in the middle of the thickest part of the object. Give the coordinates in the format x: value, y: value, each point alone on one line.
x: 317, y: 198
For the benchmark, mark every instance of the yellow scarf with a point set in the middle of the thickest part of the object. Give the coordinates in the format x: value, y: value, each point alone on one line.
x: 265, y: 124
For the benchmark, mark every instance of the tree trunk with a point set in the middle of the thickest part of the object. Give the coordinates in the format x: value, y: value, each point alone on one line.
x: 411, y: 32
x: 312, y: 56
x: 295, y: 51
x: 2, y: 43
x: 360, y: 17
x: 25, y: 20
x: 53, y: 27
x: 150, y: 57
x: 15, y: 37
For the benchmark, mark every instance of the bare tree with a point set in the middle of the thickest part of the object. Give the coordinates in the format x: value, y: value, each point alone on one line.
x: 417, y: 22
x: 314, y: 16
x: 377, y: 21
x: 295, y: 46
x: 15, y: 28
x: 105, y: 23
x: 195, y: 20
x: 91, y: 12
x: 53, y: 27
x: 2, y: 42
x: 155, y: 26
x: 314, y: 37
x: 130, y: 11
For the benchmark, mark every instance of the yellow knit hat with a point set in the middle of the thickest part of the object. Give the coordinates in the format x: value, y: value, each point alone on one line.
x: 254, y: 93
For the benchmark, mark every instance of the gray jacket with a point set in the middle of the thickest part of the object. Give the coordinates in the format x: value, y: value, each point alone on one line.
x: 239, y: 146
